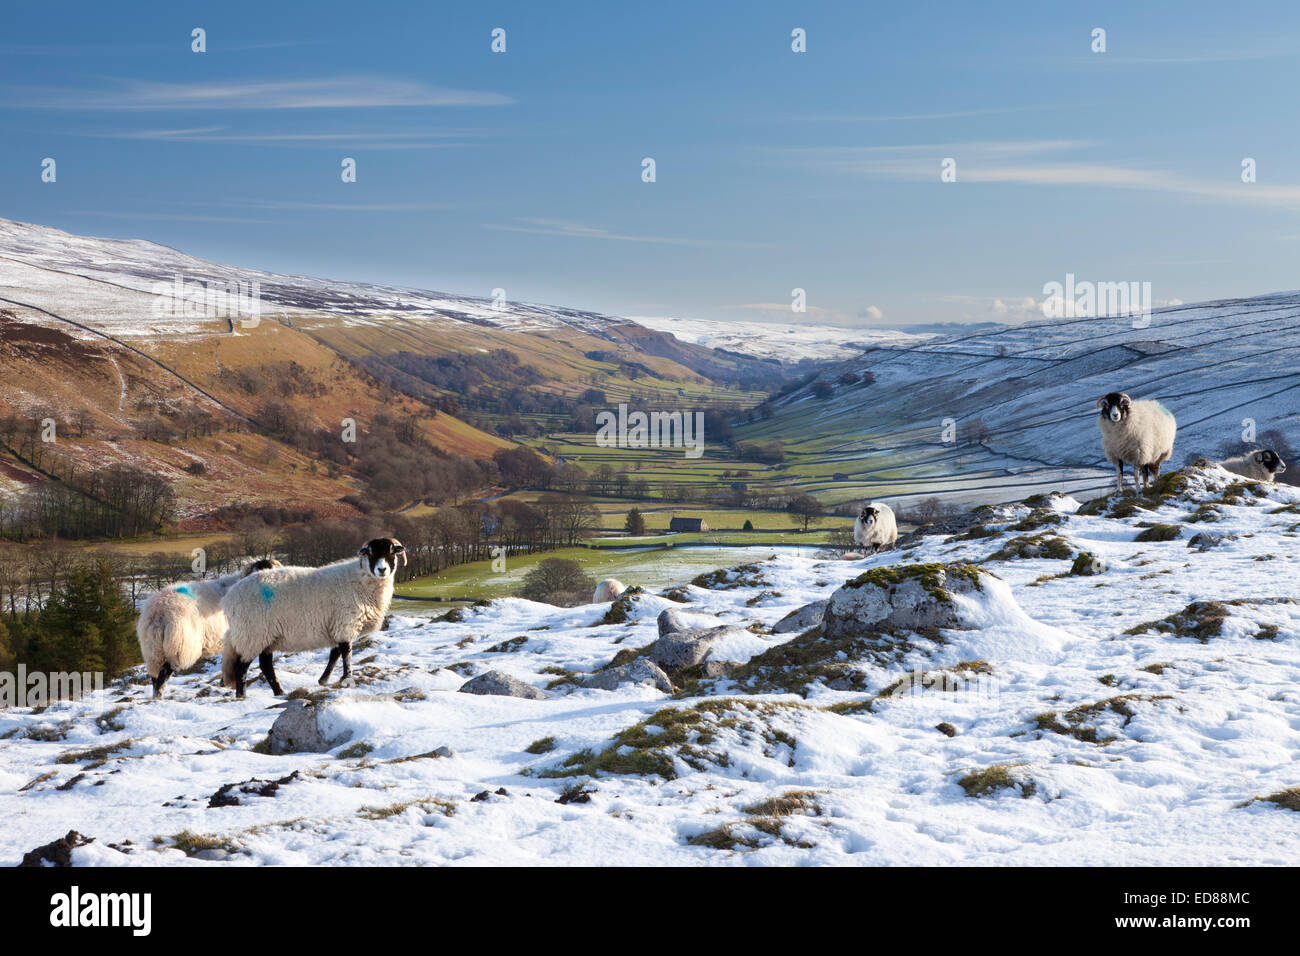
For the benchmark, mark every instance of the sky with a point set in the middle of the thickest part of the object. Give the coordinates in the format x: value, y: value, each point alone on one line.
x: 775, y: 170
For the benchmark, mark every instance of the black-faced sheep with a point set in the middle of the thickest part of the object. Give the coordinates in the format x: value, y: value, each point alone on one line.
x: 1140, y: 433
x: 1263, y: 465
x: 607, y: 590
x: 184, y: 622
x: 306, y: 609
x: 875, y: 528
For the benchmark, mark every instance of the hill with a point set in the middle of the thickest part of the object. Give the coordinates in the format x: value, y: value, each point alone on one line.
x: 1018, y: 402
x: 1040, y: 726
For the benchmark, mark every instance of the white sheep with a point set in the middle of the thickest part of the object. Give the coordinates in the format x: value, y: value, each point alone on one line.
x: 608, y: 590
x: 1140, y: 433
x: 307, y: 609
x: 875, y: 528
x: 184, y: 622
x: 1262, y: 465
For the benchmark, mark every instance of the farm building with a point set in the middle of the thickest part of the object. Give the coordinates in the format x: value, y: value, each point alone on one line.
x: 688, y: 524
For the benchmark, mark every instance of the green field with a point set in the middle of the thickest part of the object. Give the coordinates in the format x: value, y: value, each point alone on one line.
x: 651, y: 569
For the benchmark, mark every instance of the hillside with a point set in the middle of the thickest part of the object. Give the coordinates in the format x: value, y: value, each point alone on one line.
x: 1033, y: 388
x: 144, y: 355
x: 1138, y: 711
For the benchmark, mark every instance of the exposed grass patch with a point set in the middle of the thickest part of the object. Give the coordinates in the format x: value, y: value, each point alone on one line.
x: 356, y: 751
x: 1002, y: 776
x: 1034, y: 546
x: 620, y: 609
x: 428, y: 804
x: 726, y: 579
x: 1160, y: 532
x: 1080, y: 722
x: 543, y: 745
x: 190, y: 843
x: 653, y: 746
x: 787, y: 804
x: 1288, y: 799
x: 95, y: 755
x: 508, y: 647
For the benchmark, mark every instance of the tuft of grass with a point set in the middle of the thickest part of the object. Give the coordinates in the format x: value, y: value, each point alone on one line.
x: 621, y: 607
x: 108, y: 722
x: 508, y: 647
x: 791, y: 802
x: 543, y: 745
x: 428, y: 804
x: 356, y: 751
x: 1078, y: 721
x: 1288, y: 799
x: 95, y: 755
x: 190, y: 843
x: 990, y: 780
x: 653, y: 746
x: 1034, y: 546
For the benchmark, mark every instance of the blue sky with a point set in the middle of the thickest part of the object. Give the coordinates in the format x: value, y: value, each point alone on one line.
x: 775, y: 170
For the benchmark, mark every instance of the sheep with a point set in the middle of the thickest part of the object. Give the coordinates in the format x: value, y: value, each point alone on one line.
x: 184, y: 622
x: 875, y: 528
x: 608, y: 590
x: 1140, y: 433
x: 305, y: 609
x: 1261, y: 465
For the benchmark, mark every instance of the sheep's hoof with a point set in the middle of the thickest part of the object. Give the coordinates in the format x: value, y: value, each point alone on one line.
x: 348, y: 682
x: 323, y: 681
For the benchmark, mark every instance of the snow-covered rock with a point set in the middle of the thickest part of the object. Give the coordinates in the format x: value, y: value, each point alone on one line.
x: 501, y: 685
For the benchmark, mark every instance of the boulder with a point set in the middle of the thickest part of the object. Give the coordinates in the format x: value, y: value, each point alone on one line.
x: 300, y: 729
x: 972, y: 612
x: 810, y: 615
x: 677, y: 650
x: 501, y: 685
x: 1205, y: 540
x: 640, y: 671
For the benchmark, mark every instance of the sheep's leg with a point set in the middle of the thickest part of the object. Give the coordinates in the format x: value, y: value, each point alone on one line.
x: 268, y: 671
x: 329, y: 668
x: 1119, y: 477
x: 241, y: 672
x: 346, y: 648
x: 160, y: 681
x: 1153, y: 472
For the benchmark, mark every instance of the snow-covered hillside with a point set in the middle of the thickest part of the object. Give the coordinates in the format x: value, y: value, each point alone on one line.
x: 787, y: 342
x: 1225, y: 369
x: 111, y: 285
x: 1129, y: 713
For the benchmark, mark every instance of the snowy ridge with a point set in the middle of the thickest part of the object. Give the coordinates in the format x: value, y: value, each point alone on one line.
x: 110, y: 285
x: 1143, y: 736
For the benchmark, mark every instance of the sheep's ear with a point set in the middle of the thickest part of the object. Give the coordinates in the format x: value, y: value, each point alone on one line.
x: 1259, y: 457
x: 1101, y: 403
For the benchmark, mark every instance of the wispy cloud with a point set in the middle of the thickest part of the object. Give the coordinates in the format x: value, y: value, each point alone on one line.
x: 377, y: 140
x: 327, y: 92
x: 173, y: 217
x: 1030, y: 163
x: 574, y: 230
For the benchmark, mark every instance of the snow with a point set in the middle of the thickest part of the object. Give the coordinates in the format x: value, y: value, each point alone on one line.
x: 1201, y: 728
x: 788, y: 342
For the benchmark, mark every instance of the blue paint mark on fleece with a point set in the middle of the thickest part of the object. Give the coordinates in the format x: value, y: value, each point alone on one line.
x: 267, y: 593
x: 185, y: 589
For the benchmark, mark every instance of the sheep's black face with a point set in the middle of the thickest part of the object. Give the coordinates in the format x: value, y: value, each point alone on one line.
x: 1270, y: 460
x: 265, y: 564
x: 868, y: 515
x: 380, y: 556
x: 1115, y: 406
